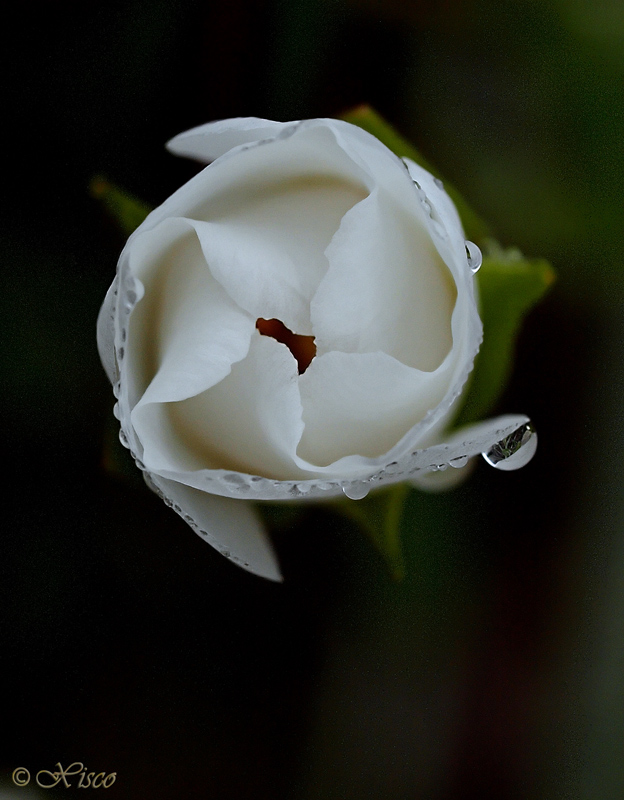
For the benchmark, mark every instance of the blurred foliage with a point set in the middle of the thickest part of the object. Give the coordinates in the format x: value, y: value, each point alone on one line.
x: 127, y: 211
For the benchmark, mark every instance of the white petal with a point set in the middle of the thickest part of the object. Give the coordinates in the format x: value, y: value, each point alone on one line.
x: 106, y: 334
x: 362, y: 403
x: 207, y: 142
x: 266, y: 243
x: 233, y: 527
x: 443, y: 207
x: 385, y: 169
x: 186, y: 324
x: 250, y: 421
x: 400, y: 293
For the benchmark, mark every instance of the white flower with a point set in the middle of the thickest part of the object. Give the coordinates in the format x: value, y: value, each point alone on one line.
x: 296, y: 321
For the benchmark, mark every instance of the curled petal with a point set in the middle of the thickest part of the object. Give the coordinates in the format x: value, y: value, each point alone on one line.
x: 231, y: 526
x: 207, y: 142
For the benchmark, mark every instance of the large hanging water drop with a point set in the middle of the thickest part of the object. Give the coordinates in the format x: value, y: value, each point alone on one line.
x: 473, y: 254
x: 515, y: 450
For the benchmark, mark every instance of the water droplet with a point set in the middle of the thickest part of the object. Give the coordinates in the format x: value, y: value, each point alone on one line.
x: 515, y: 450
x: 356, y: 491
x: 438, y: 183
x: 393, y: 467
x: 123, y: 438
x: 120, y: 354
x: 304, y: 488
x: 458, y: 462
x: 438, y: 228
x: 473, y: 254
x: 116, y: 411
x: 324, y: 486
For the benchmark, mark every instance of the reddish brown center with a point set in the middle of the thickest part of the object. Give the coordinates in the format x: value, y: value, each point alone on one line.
x: 303, y: 348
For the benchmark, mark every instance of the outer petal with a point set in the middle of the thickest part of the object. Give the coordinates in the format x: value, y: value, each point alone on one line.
x: 106, y: 333
x: 480, y: 436
x: 232, y: 527
x: 207, y: 142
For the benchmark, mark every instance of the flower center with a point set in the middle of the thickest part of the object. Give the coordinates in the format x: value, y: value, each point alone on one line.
x: 303, y: 348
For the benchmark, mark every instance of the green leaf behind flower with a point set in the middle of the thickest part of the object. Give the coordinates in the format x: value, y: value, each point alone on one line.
x: 125, y: 209
x: 509, y: 287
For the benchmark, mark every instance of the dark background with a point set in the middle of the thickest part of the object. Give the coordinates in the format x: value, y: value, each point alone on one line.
x: 496, y: 669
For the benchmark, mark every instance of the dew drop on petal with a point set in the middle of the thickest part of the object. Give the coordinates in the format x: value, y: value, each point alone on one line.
x: 393, y: 467
x: 473, y: 254
x: 458, y: 462
x: 515, y: 450
x: 356, y: 491
x: 438, y: 183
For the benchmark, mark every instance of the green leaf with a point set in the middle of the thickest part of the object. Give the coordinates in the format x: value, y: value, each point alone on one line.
x: 125, y: 209
x: 368, y: 119
x: 379, y: 516
x: 509, y: 286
